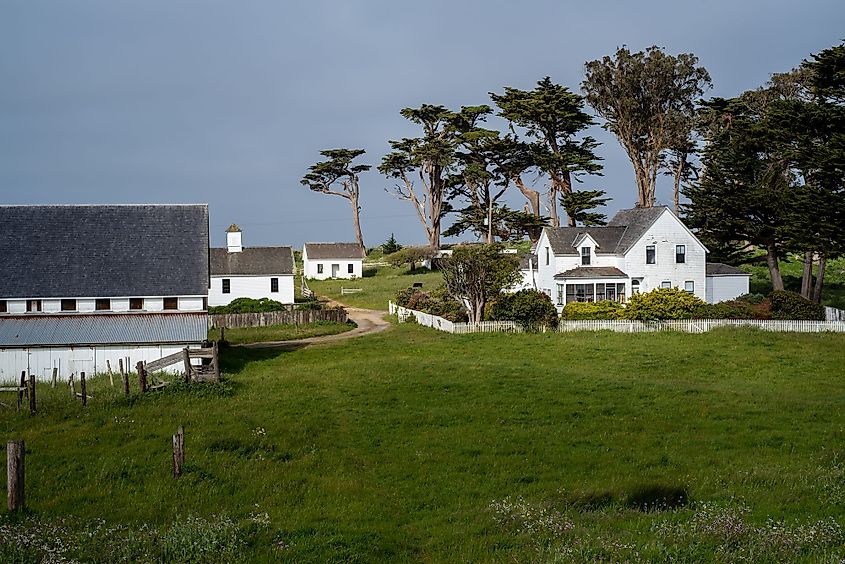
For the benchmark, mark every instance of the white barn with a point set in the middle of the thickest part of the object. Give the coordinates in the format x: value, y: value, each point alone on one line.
x: 81, y: 285
x: 332, y: 260
x: 250, y: 272
x: 640, y: 249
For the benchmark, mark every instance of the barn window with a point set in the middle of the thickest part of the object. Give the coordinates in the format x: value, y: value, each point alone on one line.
x: 350, y: 268
x: 680, y: 253
x: 68, y: 305
x: 171, y: 303
x: 33, y: 305
x: 102, y: 304
x: 227, y: 286
x: 319, y: 268
x: 3, y: 307
x: 585, y: 256
x: 689, y: 286
x: 650, y: 255
x: 274, y: 284
x: 136, y: 303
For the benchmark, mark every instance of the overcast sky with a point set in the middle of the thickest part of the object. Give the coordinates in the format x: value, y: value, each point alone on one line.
x: 229, y: 102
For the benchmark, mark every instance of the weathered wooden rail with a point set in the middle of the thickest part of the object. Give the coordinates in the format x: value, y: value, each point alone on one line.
x: 296, y: 317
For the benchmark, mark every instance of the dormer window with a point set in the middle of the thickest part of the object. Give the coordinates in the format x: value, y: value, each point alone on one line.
x: 585, y: 256
x: 3, y: 307
x: 68, y: 305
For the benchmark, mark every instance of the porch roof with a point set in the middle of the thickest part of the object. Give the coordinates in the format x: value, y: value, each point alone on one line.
x: 591, y: 272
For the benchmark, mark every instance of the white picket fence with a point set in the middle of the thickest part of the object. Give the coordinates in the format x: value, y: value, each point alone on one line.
x: 833, y: 314
x: 621, y: 325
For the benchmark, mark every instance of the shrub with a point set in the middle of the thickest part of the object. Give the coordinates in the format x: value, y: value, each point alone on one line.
x: 530, y: 308
x: 732, y: 309
x: 437, y: 302
x: 248, y: 305
x: 788, y: 305
x: 605, y: 309
x: 663, y: 303
x: 310, y: 305
x: 403, y: 296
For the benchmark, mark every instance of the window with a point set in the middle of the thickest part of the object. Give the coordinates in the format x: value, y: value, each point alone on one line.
x: 68, y: 305
x: 274, y: 284
x: 585, y: 256
x: 666, y: 284
x: 319, y: 268
x: 650, y: 257
x: 136, y: 303
x: 560, y: 294
x: 680, y: 253
x: 547, y: 256
x: 350, y: 268
x: 601, y: 293
x: 635, y: 286
x: 227, y: 286
x: 689, y: 286
x: 3, y: 307
x: 610, y: 293
x: 171, y: 303
x: 102, y: 304
x: 33, y: 305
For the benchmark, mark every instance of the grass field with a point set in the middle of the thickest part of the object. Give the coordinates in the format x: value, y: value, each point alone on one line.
x: 414, y: 445
x: 283, y: 332
x: 378, y: 285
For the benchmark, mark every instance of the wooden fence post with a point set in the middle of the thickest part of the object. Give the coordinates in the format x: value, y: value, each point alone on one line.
x: 21, y: 388
x: 55, y: 376
x: 142, y: 376
x: 84, y: 389
x: 71, y: 385
x: 186, y: 358
x: 32, y: 394
x: 124, y: 377
x: 178, y: 451
x: 15, y: 475
x: 111, y: 377
x: 216, y: 362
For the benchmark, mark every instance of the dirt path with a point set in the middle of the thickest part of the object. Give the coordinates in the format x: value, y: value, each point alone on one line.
x: 369, y: 322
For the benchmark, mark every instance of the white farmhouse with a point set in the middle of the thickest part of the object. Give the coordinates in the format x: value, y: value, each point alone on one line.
x: 640, y: 249
x: 332, y: 260
x: 250, y: 272
x: 83, y: 285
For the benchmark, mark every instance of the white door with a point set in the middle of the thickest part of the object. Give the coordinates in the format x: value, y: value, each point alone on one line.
x: 335, y: 270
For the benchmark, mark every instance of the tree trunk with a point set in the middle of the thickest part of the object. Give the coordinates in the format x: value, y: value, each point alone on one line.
x: 807, y: 277
x: 679, y: 172
x: 774, y: 269
x: 553, y: 206
x: 817, y: 292
x: 356, y: 222
x: 533, y: 197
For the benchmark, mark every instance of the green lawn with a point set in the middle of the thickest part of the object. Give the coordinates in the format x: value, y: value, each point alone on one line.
x: 285, y: 332
x: 377, y: 286
x: 415, y: 445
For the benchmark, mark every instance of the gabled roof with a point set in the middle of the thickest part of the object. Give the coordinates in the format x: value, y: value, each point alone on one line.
x: 617, y: 237
x: 252, y: 261
x: 592, y: 272
x: 103, y: 251
x: 103, y: 329
x: 721, y: 269
x: 526, y: 260
x: 563, y: 240
x: 333, y: 251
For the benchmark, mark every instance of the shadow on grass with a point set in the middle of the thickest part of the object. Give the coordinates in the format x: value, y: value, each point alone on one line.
x: 233, y: 360
x: 641, y: 497
x: 369, y: 272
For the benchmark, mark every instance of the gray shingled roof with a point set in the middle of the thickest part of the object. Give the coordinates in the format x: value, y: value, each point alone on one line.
x: 103, y: 329
x: 333, y: 251
x: 617, y: 237
x: 252, y: 260
x: 592, y: 272
x: 720, y: 269
x: 524, y: 260
x: 103, y: 251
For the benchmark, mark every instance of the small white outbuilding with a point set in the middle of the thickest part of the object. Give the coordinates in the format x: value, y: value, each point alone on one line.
x: 332, y: 260
x: 725, y: 282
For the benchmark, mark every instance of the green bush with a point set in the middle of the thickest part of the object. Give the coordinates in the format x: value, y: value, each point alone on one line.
x: 248, y: 305
x: 403, y: 296
x: 663, y: 303
x: 733, y: 309
x: 529, y: 308
x: 788, y: 305
x: 437, y: 302
x: 605, y: 309
x: 310, y: 305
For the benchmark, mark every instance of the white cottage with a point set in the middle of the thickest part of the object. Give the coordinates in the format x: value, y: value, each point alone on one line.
x: 250, y: 272
x: 82, y: 285
x: 725, y: 282
x: 640, y: 249
x: 332, y: 260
